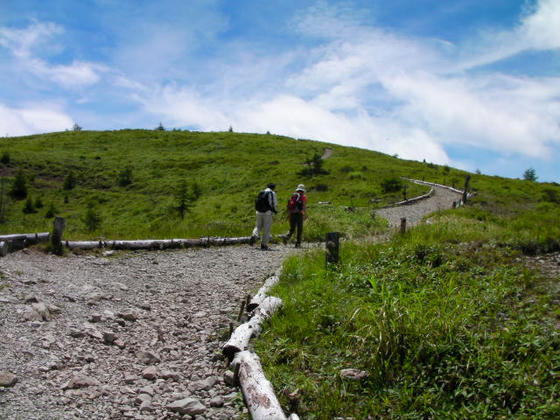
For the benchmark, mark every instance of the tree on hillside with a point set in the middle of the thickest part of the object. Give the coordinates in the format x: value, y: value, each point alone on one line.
x: 19, y: 186
x: 314, y: 166
x: 530, y: 175
x: 69, y: 181
x: 76, y: 127
x: 184, y: 199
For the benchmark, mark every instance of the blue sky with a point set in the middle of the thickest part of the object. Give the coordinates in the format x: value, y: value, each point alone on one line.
x: 473, y: 84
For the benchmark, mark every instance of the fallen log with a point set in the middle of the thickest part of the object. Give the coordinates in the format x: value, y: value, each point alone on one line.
x: 257, y: 390
x: 84, y: 244
x: 139, y: 244
x: 35, y: 238
x: 241, y: 336
x: 262, y: 293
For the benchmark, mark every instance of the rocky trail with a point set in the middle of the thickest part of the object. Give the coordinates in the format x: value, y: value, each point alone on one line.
x: 128, y: 335
x: 441, y: 199
x: 132, y: 334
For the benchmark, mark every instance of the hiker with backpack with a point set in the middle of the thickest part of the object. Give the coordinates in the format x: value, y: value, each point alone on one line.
x: 265, y: 205
x: 297, y: 206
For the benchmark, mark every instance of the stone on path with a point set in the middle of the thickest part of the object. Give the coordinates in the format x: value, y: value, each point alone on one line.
x: 189, y: 406
x: 7, y: 379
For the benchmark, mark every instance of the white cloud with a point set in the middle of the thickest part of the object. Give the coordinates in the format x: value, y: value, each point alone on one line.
x: 23, y: 43
x: 541, y: 29
x: 33, y: 119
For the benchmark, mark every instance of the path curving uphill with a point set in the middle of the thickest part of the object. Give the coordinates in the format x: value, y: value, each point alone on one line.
x: 441, y: 199
x: 133, y: 335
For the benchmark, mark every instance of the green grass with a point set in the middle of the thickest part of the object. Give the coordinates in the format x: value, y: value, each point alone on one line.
x: 228, y: 168
x: 445, y: 320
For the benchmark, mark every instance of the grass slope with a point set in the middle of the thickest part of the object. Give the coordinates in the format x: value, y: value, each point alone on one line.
x: 446, y: 319
x: 227, y: 169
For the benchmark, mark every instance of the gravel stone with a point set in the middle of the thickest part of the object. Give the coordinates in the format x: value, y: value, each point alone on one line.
x: 182, y: 308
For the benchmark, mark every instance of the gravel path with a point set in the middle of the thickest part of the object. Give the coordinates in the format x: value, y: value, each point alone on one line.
x: 442, y: 199
x: 129, y: 335
x: 133, y: 334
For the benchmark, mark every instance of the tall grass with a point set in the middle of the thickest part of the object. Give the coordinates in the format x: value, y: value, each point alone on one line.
x: 443, y: 319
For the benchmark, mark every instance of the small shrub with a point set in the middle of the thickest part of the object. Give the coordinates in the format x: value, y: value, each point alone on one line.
x: 38, y: 203
x: 346, y: 169
x: 125, y: 177
x: 29, y: 207
x: 390, y: 185
x: 69, y: 181
x: 356, y: 175
x: 551, y: 196
x: 321, y: 187
x: 314, y: 166
x: 92, y: 219
x: 51, y: 211
x: 5, y: 159
x: 19, y: 186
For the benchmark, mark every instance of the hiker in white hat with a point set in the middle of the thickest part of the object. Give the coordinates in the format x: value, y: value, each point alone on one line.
x: 297, y: 206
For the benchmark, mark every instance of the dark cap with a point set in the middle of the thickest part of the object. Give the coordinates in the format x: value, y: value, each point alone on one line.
x: 271, y: 186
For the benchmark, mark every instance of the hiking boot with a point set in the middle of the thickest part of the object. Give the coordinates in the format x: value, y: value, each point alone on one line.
x: 285, y: 240
x: 298, y: 245
x: 265, y: 248
x: 252, y: 240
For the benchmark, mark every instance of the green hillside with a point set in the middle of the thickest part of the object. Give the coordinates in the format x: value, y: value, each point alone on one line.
x: 130, y: 182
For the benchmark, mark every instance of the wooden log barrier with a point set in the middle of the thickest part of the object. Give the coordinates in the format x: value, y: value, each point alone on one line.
x: 83, y: 244
x: 14, y: 242
x: 257, y: 390
x: 262, y: 293
x: 241, y: 336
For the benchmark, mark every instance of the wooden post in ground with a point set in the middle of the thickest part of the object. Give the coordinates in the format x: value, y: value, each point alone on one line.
x: 56, y: 237
x: 333, y: 246
x: 403, y: 224
x: 466, y: 192
x: 3, y: 248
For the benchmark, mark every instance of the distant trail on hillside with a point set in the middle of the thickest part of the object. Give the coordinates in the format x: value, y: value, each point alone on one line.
x: 441, y: 199
x: 327, y: 153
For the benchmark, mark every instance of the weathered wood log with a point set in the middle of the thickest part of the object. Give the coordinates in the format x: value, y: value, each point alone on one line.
x: 35, y: 238
x: 241, y: 336
x: 262, y: 293
x: 84, y: 244
x: 257, y: 390
x: 138, y: 244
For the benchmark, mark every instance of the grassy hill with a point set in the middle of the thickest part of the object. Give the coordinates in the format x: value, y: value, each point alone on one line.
x: 132, y: 180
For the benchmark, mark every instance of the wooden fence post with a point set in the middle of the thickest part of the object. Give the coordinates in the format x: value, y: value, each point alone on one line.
x: 333, y: 246
x: 403, y: 224
x: 56, y: 237
x: 466, y: 192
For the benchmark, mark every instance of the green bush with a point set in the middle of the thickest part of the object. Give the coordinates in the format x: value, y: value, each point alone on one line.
x: 389, y: 185
x: 69, y: 181
x: 19, y: 186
